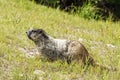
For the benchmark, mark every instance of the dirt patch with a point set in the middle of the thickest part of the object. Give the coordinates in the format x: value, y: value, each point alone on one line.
x: 29, y: 52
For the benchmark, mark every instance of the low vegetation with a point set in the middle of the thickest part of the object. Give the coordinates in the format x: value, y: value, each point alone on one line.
x: 19, y: 59
x: 88, y: 9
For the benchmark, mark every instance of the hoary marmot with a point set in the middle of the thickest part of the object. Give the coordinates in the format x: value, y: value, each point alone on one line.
x: 65, y: 50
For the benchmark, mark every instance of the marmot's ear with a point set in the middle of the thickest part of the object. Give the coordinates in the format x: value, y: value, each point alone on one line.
x: 41, y: 31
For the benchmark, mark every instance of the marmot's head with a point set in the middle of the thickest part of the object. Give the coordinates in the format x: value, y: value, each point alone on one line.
x: 36, y: 34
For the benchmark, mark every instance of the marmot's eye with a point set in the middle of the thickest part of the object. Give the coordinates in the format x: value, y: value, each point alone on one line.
x: 34, y: 31
x: 40, y: 31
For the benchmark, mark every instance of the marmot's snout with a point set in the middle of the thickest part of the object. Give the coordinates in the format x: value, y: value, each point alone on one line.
x: 29, y: 33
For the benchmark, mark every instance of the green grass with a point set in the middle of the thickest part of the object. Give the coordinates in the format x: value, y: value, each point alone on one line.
x: 17, y: 16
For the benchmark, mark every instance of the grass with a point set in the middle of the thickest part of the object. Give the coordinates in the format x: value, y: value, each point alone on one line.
x: 101, y: 38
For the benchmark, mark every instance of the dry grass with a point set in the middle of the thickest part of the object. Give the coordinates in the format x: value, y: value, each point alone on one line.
x: 102, y: 40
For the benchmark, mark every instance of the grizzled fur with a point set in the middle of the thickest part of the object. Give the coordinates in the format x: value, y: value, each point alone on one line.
x: 55, y: 49
x: 65, y: 50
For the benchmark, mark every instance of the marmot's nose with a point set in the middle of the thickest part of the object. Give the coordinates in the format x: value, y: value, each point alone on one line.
x: 28, y: 32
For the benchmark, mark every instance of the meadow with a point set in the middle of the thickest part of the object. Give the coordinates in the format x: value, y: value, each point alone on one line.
x: 19, y: 59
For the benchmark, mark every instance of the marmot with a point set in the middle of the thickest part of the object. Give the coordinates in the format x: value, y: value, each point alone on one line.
x: 65, y: 50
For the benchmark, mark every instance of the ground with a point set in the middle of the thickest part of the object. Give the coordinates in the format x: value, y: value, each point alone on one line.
x: 19, y: 59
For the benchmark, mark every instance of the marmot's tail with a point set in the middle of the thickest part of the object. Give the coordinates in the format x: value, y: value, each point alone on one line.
x: 103, y: 67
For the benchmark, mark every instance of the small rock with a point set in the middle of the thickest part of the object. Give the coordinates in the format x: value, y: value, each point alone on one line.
x: 80, y: 39
x: 38, y: 72
x: 21, y: 75
x: 92, y: 47
x: 110, y: 45
x: 21, y: 49
x: 40, y: 78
